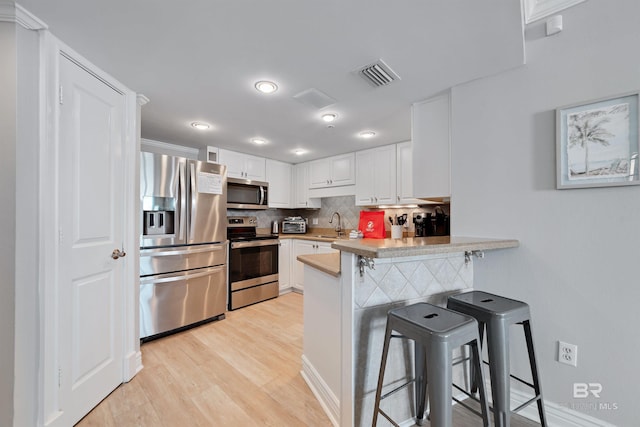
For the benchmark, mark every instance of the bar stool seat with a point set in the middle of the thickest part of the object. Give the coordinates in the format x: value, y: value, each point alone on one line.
x: 436, y: 331
x: 497, y: 314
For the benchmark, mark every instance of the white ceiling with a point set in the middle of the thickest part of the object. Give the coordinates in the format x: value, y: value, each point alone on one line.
x: 198, y: 61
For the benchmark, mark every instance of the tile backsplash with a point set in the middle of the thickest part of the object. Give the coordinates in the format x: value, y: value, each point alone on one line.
x: 344, y: 205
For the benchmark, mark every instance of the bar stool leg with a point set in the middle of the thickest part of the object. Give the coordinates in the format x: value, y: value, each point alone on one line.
x: 534, y: 372
x: 479, y: 379
x: 383, y: 364
x: 498, y: 346
x: 420, y: 384
x: 440, y: 380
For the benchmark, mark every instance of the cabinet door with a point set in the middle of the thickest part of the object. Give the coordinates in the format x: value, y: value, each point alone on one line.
x: 365, y: 178
x: 320, y: 173
x: 234, y: 162
x: 324, y: 248
x: 385, y: 175
x: 431, y: 153
x: 301, y: 185
x: 279, y: 179
x: 284, y: 264
x: 404, y: 174
x: 255, y: 168
x: 343, y: 170
x: 301, y: 247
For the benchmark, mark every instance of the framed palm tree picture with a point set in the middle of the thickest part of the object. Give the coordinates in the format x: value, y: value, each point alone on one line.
x: 597, y: 143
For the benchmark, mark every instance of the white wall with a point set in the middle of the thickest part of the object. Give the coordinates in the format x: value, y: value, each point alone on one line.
x: 27, y: 300
x: 578, y: 264
x: 8, y: 78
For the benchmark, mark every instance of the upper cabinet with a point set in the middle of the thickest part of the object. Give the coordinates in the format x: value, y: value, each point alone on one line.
x: 240, y: 165
x: 332, y: 171
x: 376, y: 176
x: 430, y: 133
x: 279, y: 177
x: 404, y: 174
x: 301, y: 188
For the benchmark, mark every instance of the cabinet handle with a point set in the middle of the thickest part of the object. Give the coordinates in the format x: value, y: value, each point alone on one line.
x: 398, y: 198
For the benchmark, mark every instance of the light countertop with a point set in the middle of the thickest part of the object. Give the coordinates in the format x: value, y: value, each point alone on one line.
x: 412, y: 246
x: 328, y: 263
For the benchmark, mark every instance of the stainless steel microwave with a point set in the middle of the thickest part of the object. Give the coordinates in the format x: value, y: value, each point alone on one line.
x: 247, y: 194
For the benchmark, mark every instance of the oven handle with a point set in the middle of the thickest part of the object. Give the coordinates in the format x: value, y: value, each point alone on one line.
x: 254, y: 243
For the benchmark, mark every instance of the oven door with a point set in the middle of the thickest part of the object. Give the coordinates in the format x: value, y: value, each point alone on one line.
x: 253, y: 272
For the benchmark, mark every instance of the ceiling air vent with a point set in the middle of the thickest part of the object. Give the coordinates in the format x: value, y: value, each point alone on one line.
x: 378, y: 74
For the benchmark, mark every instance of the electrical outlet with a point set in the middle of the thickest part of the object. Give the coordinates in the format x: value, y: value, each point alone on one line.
x: 567, y: 353
x: 314, y: 221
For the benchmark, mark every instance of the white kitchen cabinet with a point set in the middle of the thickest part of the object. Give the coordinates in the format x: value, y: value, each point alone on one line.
x: 306, y: 247
x: 240, y: 165
x: 376, y: 176
x: 301, y: 186
x: 284, y: 264
x: 279, y: 176
x: 404, y: 174
x: 333, y: 171
x: 430, y: 134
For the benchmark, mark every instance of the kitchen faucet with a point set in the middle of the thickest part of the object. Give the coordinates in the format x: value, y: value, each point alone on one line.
x: 339, y: 226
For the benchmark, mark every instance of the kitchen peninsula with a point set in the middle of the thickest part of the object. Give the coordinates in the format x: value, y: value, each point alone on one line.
x: 345, y: 305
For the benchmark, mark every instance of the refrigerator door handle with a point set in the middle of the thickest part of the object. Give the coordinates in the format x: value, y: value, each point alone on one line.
x: 179, y: 277
x: 183, y: 203
x: 194, y: 200
x: 191, y: 250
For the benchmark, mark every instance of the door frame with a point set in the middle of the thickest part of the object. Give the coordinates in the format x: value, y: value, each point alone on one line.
x: 48, y: 251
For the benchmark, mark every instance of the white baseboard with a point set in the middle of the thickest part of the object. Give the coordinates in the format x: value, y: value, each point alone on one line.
x: 328, y: 400
x: 557, y: 415
x: 132, y: 365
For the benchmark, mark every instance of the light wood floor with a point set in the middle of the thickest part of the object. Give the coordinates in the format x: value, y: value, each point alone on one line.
x: 241, y: 371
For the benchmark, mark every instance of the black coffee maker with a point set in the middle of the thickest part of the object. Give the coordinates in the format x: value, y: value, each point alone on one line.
x: 431, y: 224
x: 421, y: 222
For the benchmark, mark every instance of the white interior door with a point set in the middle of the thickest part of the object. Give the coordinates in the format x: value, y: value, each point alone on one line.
x: 90, y: 328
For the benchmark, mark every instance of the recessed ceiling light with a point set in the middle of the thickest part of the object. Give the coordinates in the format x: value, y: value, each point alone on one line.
x: 265, y: 86
x: 258, y: 141
x: 300, y: 152
x: 329, y: 117
x: 200, y: 125
x: 367, y: 134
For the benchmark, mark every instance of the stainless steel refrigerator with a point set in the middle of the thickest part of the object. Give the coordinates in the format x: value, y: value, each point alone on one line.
x: 183, y: 243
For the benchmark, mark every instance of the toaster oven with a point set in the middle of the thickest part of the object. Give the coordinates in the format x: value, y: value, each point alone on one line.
x: 294, y: 226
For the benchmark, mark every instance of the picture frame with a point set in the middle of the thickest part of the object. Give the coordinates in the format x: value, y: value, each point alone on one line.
x: 597, y: 143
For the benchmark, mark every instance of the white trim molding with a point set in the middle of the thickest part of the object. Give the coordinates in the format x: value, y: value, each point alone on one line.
x: 538, y: 9
x: 13, y: 12
x: 327, y: 399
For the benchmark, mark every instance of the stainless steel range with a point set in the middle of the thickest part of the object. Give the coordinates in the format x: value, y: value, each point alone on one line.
x: 253, y: 263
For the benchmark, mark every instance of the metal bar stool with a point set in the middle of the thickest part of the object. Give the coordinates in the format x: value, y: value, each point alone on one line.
x: 436, y: 331
x: 497, y: 314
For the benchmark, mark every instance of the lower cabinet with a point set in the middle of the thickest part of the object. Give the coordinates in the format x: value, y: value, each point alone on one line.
x: 284, y: 264
x: 305, y: 247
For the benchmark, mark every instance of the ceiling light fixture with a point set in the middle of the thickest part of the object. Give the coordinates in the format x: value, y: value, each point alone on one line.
x: 367, y: 134
x: 329, y: 117
x: 200, y: 125
x: 258, y: 141
x: 299, y: 152
x: 265, y: 86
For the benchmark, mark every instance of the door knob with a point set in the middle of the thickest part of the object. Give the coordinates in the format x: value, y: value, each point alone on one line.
x: 117, y: 253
